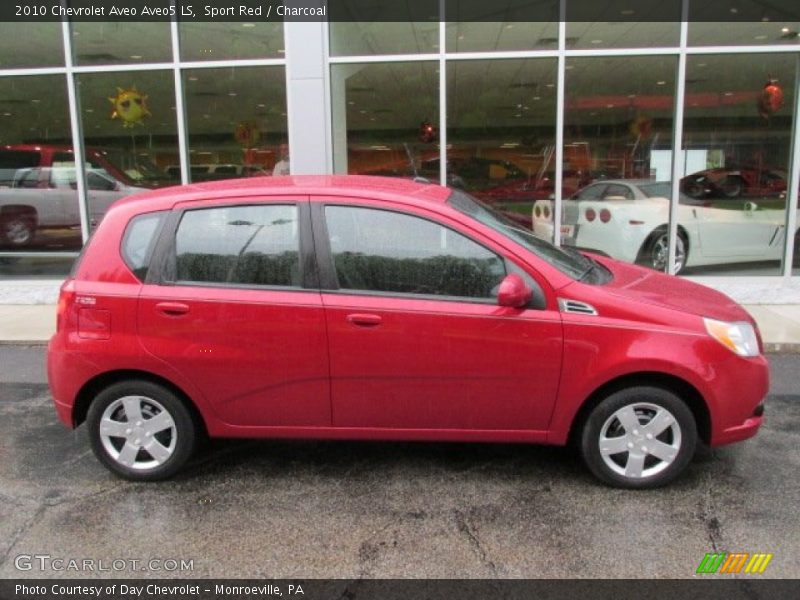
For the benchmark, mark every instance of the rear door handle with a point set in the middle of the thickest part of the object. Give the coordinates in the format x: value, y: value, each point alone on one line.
x: 172, y: 309
x: 364, y: 320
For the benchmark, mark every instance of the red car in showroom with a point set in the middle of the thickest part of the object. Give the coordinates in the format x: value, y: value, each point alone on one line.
x: 372, y: 308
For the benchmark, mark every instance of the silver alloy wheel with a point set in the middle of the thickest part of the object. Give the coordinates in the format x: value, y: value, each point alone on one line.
x: 18, y: 232
x: 640, y: 440
x: 138, y: 432
x: 659, y: 253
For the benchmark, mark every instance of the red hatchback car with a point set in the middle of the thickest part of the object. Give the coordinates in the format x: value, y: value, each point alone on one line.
x: 370, y: 308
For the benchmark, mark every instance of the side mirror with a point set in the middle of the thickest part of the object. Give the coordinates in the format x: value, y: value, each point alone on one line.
x: 513, y: 292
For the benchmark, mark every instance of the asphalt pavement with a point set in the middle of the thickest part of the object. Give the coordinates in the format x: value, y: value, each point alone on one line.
x: 291, y: 509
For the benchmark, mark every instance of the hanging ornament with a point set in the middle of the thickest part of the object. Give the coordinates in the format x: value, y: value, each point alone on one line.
x: 771, y: 99
x: 641, y: 127
x: 427, y: 132
x: 130, y: 106
x: 247, y: 134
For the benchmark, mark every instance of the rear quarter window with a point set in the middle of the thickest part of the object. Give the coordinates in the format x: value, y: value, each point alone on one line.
x: 139, y: 240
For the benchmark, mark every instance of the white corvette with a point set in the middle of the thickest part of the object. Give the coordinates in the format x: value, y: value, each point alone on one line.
x: 627, y: 220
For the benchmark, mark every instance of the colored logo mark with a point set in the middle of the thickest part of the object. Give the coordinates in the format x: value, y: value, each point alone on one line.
x: 734, y: 562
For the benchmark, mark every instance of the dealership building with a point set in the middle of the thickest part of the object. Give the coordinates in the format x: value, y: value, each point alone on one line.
x: 670, y: 143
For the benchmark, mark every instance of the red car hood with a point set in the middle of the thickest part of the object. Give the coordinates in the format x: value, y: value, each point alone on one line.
x: 651, y: 287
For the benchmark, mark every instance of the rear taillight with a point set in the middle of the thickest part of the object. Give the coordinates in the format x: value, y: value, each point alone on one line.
x: 590, y: 215
x: 66, y: 299
x: 605, y: 215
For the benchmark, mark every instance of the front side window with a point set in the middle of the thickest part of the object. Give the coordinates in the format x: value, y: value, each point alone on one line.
x: 383, y: 251
x: 239, y: 245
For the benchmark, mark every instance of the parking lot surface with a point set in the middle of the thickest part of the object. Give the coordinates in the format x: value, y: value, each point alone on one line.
x: 286, y: 509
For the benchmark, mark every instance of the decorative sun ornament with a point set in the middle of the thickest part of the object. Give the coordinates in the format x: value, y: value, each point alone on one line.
x: 130, y: 106
x: 771, y: 99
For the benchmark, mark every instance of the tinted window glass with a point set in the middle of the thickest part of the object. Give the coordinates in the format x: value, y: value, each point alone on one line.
x: 592, y: 192
x: 249, y: 245
x: 12, y: 160
x: 616, y: 190
x: 138, y: 242
x: 383, y: 251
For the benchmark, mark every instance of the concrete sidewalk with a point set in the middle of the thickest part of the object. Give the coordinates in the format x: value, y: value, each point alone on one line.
x: 33, y: 324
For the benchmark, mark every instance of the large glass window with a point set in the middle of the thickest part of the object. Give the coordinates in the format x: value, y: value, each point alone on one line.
x: 31, y: 45
x: 368, y: 39
x: 231, y: 41
x: 618, y: 131
x: 121, y: 42
x: 742, y: 23
x: 501, y: 131
x: 130, y: 132
x: 737, y: 140
x: 386, y: 119
x: 383, y: 251
x: 38, y: 198
x: 236, y: 120
x: 244, y: 245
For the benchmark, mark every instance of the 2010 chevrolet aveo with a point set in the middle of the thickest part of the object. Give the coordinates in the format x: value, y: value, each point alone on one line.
x: 370, y: 308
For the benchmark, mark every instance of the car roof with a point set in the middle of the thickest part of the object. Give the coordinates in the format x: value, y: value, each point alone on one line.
x: 317, y: 185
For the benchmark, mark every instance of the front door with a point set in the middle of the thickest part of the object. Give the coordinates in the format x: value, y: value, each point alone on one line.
x: 417, y: 340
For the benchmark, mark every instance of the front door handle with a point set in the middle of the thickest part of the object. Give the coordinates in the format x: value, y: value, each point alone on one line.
x: 172, y: 309
x: 364, y: 320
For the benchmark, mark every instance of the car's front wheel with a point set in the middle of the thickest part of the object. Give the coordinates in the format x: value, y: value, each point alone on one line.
x: 655, y: 251
x: 639, y: 437
x: 141, y: 430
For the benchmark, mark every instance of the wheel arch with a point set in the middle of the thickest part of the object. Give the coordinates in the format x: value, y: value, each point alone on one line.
x: 94, y: 386
x: 680, y: 387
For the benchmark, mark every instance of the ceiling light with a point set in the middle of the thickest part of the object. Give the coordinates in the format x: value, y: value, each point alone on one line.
x: 537, y: 97
x: 760, y: 37
x: 193, y: 78
x: 627, y: 12
x: 701, y: 65
x: 510, y: 26
x: 596, y: 42
x: 551, y: 85
x: 261, y: 105
x: 89, y: 110
x: 248, y: 25
x: 734, y: 10
x: 631, y: 95
x: 785, y: 30
x: 36, y: 101
x: 661, y: 83
x: 136, y: 56
x: 609, y: 106
x: 281, y: 51
x: 232, y: 94
x: 729, y: 93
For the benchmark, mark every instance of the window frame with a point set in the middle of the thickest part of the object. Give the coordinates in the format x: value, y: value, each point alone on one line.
x: 163, y: 265
x: 329, y: 283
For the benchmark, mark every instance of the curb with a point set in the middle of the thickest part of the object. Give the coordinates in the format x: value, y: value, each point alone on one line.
x: 42, y: 343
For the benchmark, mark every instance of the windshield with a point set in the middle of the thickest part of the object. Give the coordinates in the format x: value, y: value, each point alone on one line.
x: 568, y: 261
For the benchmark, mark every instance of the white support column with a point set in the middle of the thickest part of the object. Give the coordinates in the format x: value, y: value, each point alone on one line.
x: 560, y: 108
x: 307, y: 109
x: 794, y: 179
x: 678, y: 155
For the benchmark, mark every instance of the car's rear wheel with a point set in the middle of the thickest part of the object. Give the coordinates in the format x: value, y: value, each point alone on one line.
x: 655, y: 251
x: 141, y: 430
x: 639, y: 437
x: 18, y: 230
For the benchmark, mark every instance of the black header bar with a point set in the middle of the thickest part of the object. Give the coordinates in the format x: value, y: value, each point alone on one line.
x: 632, y: 11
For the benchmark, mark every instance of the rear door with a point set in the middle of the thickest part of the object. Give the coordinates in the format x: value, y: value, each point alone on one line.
x: 233, y: 305
x: 417, y: 339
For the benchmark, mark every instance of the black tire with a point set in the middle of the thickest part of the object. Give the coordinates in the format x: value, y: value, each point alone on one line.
x: 18, y: 229
x: 676, y: 443
x: 178, y: 439
x: 651, y: 252
x: 733, y: 187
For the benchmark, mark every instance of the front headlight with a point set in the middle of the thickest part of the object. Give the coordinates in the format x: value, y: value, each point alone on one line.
x: 739, y: 337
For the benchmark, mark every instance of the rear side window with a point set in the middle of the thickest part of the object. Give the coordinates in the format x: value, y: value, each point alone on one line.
x: 385, y: 251
x: 241, y: 245
x: 138, y: 242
